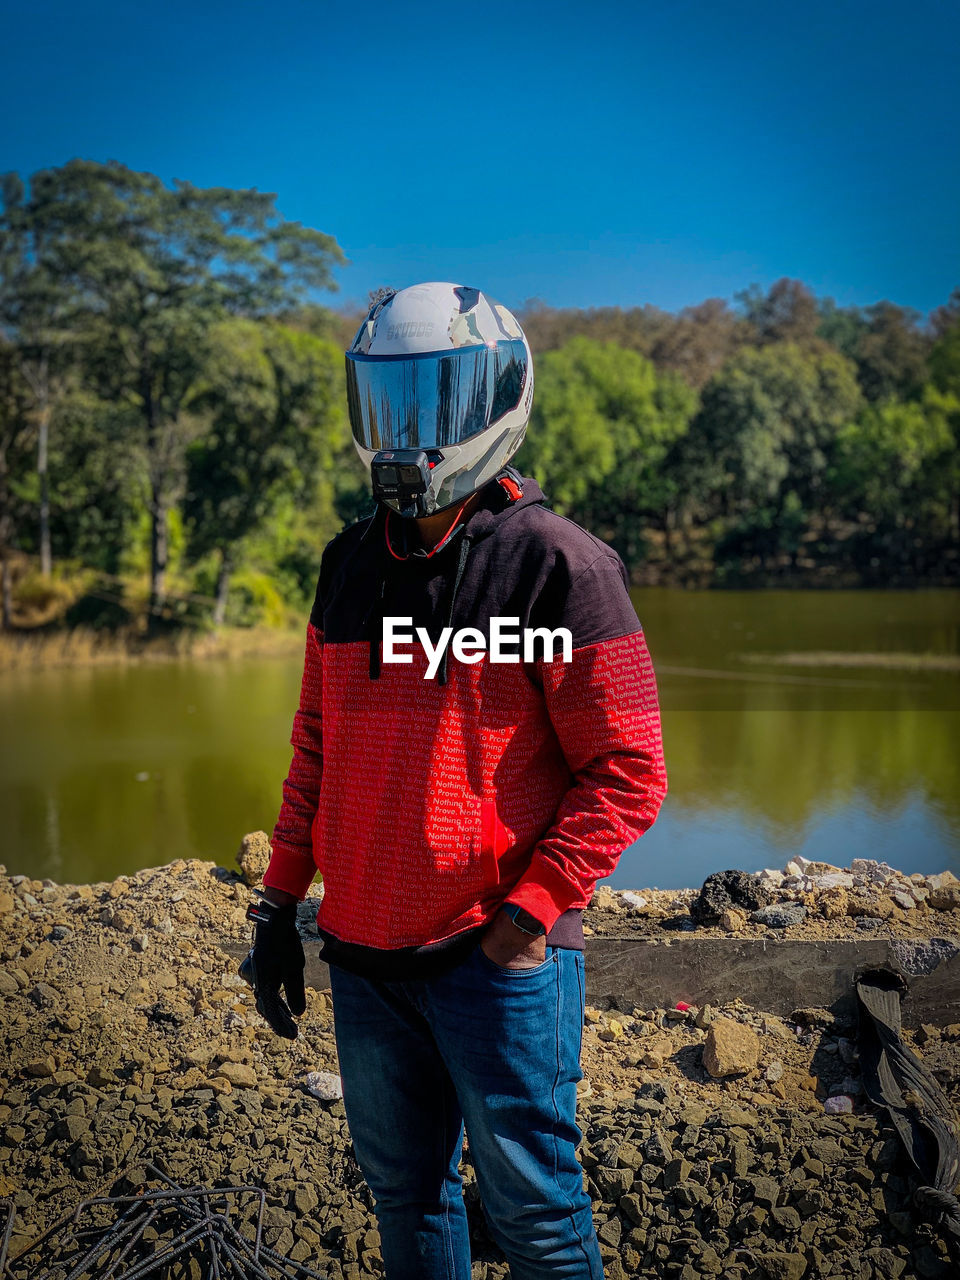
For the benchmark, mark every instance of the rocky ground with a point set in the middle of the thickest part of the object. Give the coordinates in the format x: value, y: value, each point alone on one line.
x: 709, y: 1144
x: 804, y: 900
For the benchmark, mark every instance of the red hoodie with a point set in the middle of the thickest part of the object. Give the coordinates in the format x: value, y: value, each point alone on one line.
x: 428, y: 803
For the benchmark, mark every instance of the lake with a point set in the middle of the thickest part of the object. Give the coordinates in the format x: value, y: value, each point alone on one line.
x: 775, y: 745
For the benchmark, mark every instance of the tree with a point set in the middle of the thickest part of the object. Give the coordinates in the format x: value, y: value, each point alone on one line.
x: 15, y: 439
x: 841, y: 327
x: 275, y: 399
x: 898, y: 464
x: 945, y: 317
x: 787, y: 312
x: 763, y: 439
x: 154, y: 267
x: 634, y: 328
x: 602, y: 423
x: 39, y: 321
x: 891, y: 353
x: 699, y: 341
x: 944, y: 360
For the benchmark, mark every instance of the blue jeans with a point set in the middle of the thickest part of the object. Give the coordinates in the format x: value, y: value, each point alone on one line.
x: 498, y: 1049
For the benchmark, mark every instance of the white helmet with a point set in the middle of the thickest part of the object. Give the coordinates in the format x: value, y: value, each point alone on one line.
x: 439, y: 387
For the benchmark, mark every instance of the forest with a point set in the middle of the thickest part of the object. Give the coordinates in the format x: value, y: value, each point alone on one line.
x: 174, y: 448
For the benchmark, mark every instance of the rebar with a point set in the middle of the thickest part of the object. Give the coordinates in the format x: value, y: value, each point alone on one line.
x: 190, y: 1223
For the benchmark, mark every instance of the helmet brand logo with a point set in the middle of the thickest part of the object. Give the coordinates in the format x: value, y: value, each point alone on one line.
x: 410, y: 329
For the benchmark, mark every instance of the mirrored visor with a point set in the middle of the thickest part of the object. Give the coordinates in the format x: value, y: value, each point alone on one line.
x: 428, y: 401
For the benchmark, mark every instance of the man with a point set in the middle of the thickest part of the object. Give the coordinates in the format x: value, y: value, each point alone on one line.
x: 460, y: 799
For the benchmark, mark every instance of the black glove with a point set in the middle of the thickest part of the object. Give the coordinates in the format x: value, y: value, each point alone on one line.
x: 276, y: 960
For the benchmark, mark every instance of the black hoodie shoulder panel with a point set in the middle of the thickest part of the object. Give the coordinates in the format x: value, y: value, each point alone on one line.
x: 523, y: 561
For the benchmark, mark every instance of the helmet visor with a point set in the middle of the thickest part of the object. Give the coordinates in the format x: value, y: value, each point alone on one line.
x: 435, y: 399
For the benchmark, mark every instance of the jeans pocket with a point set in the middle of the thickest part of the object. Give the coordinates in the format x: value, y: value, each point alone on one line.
x: 504, y: 971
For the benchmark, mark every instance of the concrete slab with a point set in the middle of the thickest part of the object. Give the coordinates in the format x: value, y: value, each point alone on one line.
x: 777, y: 976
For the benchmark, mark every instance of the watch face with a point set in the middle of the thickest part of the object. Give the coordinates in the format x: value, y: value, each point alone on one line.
x: 525, y: 921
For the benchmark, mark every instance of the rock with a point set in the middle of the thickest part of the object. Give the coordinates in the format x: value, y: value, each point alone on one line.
x: 833, y: 903
x: 781, y: 915
x: 44, y: 996
x: 764, y: 1191
x: 612, y: 1031
x: 834, y: 880
x: 871, y: 871
x: 734, y: 920
x: 634, y: 900
x: 38, y: 959
x: 613, y: 1183
x: 942, y: 880
x: 782, y: 1266
x: 730, y: 1048
x: 73, y: 1128
x: 239, y: 1074
x: 325, y: 1085
x: 944, y: 892
x: 100, y: 1076
x: 841, y: 1104
x: 770, y: 879
x: 725, y: 889
x: 605, y: 899
x: 41, y: 1067
x: 305, y: 1200
x: 656, y: 1051
x: 7, y: 903
x: 253, y: 856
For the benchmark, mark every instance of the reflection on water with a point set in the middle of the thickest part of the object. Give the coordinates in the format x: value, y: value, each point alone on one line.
x: 107, y: 770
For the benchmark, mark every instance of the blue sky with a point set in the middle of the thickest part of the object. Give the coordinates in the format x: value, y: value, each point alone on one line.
x: 586, y: 154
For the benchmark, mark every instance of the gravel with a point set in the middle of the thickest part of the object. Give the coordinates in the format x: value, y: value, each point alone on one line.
x: 115, y: 1053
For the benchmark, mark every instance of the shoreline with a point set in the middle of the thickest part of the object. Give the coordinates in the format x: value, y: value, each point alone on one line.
x: 88, y: 647
x: 128, y: 1037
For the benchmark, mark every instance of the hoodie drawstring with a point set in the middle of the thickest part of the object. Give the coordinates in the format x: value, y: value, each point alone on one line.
x: 375, y: 624
x: 457, y: 579
x: 375, y: 616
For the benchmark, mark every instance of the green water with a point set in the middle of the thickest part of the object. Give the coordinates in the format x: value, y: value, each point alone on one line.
x: 106, y: 770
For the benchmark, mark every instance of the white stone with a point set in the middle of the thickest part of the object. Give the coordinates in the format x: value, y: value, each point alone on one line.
x: 834, y: 880
x: 324, y: 1085
x: 903, y: 899
x: 769, y: 877
x: 875, y: 872
x: 632, y: 899
x: 839, y: 1105
x: 793, y: 868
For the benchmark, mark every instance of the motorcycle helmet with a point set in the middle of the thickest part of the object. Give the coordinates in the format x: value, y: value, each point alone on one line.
x: 439, y: 390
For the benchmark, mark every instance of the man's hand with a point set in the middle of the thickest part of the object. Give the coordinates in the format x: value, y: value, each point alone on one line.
x: 276, y: 960
x: 510, y: 947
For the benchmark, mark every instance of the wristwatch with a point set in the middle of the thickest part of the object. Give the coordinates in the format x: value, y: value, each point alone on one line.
x: 524, y: 920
